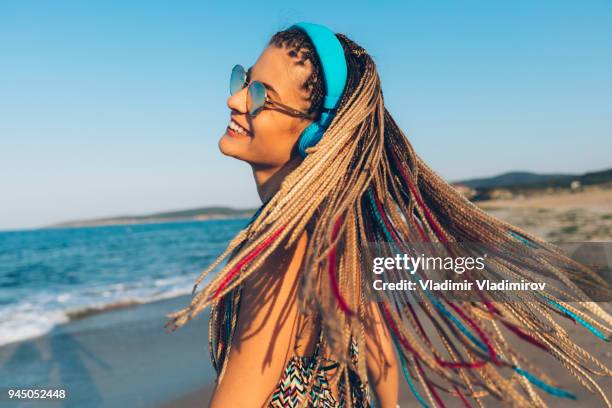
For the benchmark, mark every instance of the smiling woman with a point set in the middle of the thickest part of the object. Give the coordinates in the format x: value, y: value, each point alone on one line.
x: 268, y: 138
x: 293, y: 313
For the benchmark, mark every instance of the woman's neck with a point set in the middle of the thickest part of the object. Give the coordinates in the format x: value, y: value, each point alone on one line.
x: 269, y: 179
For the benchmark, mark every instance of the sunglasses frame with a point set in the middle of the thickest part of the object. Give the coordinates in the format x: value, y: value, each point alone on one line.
x: 279, y: 106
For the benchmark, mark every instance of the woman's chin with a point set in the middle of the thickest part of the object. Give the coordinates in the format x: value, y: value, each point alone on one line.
x: 232, y: 146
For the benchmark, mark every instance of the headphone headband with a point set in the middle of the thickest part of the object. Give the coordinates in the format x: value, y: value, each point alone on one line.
x: 333, y: 64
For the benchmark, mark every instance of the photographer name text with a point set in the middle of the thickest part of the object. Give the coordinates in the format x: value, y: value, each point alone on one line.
x: 450, y: 285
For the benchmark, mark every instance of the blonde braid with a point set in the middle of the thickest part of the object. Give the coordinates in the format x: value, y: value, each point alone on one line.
x: 363, y: 192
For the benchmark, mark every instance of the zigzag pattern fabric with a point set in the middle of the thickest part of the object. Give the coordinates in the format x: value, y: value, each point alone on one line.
x: 292, y: 390
x: 304, y: 382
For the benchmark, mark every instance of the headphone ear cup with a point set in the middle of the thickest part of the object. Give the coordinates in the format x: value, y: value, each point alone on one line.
x: 310, y: 137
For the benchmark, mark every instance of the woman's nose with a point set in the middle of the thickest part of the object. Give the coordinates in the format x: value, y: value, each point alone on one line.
x: 238, y: 101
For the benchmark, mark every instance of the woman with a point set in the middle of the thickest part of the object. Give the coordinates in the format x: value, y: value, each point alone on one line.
x: 295, y: 320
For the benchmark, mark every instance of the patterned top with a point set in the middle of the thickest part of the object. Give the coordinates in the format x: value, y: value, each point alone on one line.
x: 293, y: 388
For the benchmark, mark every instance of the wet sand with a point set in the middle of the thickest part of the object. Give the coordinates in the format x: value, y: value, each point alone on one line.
x: 121, y: 358
x: 603, y: 351
x: 124, y: 358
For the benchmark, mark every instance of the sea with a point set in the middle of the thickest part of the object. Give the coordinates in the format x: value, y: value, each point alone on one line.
x: 51, y: 276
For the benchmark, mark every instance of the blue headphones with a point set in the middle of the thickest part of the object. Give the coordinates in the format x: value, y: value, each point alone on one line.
x: 333, y: 63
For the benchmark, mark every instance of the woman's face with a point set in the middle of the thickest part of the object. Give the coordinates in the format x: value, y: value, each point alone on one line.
x: 271, y: 135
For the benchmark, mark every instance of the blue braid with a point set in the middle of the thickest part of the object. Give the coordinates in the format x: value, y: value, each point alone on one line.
x: 578, y: 319
x: 379, y: 218
x: 433, y: 300
x: 557, y: 392
x: 522, y: 239
x: 559, y: 306
x: 407, y: 375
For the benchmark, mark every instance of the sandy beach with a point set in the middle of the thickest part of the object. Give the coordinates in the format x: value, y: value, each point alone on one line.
x: 565, y: 217
x: 562, y: 217
x: 198, y: 398
x: 122, y: 357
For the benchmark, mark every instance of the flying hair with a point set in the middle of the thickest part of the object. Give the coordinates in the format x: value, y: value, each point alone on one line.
x: 364, y: 183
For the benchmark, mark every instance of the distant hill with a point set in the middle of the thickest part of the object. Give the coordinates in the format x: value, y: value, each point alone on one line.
x: 596, y: 177
x: 203, y: 213
x: 528, y: 180
x: 517, y: 180
x: 514, y: 178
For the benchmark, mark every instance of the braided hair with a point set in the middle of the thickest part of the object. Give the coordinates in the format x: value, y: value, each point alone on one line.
x: 363, y: 183
x: 300, y: 48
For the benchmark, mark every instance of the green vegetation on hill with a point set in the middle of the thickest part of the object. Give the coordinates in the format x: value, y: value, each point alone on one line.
x: 513, y: 181
x: 194, y: 213
x: 526, y: 180
x: 191, y: 214
x: 514, y: 178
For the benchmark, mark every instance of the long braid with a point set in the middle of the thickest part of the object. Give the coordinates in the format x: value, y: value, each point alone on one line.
x: 363, y: 183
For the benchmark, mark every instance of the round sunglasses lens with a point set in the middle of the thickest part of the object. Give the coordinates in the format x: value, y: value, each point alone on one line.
x: 237, y: 79
x: 257, y: 97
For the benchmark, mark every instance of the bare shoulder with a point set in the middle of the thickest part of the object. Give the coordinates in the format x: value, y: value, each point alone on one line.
x: 265, y: 330
x: 275, y: 283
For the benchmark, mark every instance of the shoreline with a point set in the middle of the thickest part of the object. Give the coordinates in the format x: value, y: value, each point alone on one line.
x: 123, y: 357
x: 72, y: 315
x: 120, y: 355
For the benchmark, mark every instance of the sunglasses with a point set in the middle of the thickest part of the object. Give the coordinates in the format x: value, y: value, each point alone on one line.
x: 257, y: 95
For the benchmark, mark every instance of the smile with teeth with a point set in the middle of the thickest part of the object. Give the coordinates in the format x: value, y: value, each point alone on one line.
x: 233, y: 125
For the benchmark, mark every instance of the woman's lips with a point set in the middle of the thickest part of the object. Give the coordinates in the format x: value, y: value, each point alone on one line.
x: 236, y: 129
x: 231, y: 132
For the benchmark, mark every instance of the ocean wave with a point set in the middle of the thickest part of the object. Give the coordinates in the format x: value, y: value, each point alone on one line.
x: 38, y: 314
x: 48, y: 277
x: 23, y: 322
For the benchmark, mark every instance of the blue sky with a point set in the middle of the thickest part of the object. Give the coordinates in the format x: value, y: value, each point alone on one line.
x: 115, y: 107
